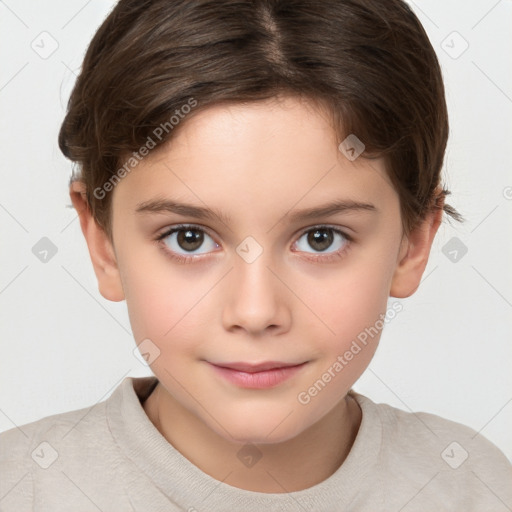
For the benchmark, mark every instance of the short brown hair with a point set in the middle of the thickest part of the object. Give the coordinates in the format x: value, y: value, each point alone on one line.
x: 368, y: 62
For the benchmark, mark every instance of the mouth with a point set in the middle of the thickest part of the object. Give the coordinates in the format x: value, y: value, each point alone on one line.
x: 257, y: 375
x: 256, y: 367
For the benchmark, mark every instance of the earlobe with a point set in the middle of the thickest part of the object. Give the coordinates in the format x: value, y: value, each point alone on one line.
x: 413, y: 256
x: 101, y: 250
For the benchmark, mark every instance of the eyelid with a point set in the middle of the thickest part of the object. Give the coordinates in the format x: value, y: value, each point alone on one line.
x: 338, y: 229
x: 177, y: 227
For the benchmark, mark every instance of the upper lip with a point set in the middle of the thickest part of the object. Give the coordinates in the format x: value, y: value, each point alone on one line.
x: 256, y: 367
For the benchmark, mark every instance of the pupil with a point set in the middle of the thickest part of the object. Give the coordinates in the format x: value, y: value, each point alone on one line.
x: 320, y: 239
x: 191, y: 237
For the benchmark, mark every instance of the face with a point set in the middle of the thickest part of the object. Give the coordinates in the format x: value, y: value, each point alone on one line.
x: 258, y: 280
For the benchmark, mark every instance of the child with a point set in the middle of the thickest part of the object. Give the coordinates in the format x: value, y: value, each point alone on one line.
x: 257, y: 178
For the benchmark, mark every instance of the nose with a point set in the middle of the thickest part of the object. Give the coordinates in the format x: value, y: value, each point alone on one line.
x: 256, y: 299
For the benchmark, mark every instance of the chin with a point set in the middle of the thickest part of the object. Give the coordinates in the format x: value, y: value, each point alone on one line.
x: 251, y: 436
x: 258, y: 427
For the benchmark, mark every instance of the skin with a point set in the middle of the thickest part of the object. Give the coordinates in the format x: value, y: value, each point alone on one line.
x: 258, y: 163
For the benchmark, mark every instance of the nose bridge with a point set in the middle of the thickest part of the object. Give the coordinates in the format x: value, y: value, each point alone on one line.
x: 256, y: 296
x: 255, y: 278
x: 254, y: 282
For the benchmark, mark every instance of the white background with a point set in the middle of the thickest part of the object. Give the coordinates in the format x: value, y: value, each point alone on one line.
x: 65, y: 347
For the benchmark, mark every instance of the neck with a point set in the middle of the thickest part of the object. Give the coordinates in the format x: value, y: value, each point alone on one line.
x: 293, y: 465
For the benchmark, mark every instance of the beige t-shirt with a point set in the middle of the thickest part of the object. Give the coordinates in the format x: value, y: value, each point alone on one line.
x: 110, y: 458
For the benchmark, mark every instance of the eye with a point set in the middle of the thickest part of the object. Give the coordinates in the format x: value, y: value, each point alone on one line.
x: 187, y: 238
x: 321, y: 238
x: 185, y: 241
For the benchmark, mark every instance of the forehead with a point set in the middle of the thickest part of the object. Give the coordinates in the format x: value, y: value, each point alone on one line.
x: 257, y: 118
x: 262, y: 155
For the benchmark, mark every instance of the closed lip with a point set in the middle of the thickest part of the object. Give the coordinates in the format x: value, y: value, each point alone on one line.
x: 257, y: 367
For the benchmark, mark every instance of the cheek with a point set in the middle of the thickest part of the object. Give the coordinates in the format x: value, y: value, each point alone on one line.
x: 350, y: 304
x: 164, y: 300
x: 351, y: 307
x: 354, y: 300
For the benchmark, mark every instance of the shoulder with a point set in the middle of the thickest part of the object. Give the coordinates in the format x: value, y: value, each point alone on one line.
x: 28, y: 450
x: 418, y: 432
x: 23, y: 439
x: 440, y: 457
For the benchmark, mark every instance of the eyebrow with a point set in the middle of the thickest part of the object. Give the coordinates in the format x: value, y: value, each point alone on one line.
x: 199, y: 212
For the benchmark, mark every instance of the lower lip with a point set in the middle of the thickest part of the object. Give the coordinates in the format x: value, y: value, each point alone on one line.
x: 258, y: 380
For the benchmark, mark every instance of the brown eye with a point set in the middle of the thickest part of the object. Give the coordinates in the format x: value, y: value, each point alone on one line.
x: 190, y: 239
x: 322, y: 238
x: 183, y: 240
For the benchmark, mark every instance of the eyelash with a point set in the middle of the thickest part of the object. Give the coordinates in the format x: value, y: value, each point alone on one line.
x: 189, y: 259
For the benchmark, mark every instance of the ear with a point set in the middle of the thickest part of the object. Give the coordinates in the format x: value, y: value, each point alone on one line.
x: 101, y: 249
x: 414, y: 253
